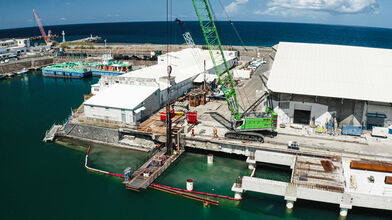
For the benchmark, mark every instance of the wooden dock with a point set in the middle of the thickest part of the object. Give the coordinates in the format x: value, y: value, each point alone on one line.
x: 152, y: 169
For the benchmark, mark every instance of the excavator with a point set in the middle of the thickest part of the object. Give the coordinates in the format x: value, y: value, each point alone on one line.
x: 246, y: 125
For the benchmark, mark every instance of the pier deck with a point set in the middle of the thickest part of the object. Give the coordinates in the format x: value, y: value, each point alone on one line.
x: 51, y: 133
x: 152, y: 169
x: 325, y: 179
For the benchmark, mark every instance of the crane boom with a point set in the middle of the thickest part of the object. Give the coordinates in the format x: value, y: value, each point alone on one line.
x: 214, y: 46
x: 246, y: 125
x: 41, y: 28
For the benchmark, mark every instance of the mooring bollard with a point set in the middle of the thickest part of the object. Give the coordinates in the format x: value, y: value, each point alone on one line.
x: 289, y: 204
x: 210, y: 158
x: 189, y: 184
x: 343, y: 212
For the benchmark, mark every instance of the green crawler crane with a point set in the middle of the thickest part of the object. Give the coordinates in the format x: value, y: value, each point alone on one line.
x: 246, y: 125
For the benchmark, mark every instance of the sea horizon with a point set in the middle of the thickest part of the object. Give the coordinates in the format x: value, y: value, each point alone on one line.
x: 234, y: 21
x: 252, y: 33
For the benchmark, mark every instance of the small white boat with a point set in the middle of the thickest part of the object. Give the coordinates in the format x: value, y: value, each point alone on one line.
x: 24, y: 71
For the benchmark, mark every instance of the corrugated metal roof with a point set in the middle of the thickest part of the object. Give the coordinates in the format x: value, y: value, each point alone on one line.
x: 184, y: 65
x: 348, y: 72
x: 122, y: 96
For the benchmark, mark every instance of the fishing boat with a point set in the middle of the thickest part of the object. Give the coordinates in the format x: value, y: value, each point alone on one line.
x: 22, y: 72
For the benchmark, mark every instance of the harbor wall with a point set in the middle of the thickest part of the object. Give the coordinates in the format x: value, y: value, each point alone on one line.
x: 25, y: 63
x: 91, y: 132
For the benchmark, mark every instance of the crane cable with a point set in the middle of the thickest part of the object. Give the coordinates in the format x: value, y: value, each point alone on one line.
x: 238, y: 36
x: 232, y: 24
x: 239, y: 90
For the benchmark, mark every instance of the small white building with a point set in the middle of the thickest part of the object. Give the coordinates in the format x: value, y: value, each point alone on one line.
x: 17, y: 46
x: 313, y: 83
x: 185, y: 69
x: 123, y: 103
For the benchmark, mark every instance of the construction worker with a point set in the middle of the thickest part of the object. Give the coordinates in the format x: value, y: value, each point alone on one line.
x: 215, y: 132
x: 193, y: 132
x: 159, y: 147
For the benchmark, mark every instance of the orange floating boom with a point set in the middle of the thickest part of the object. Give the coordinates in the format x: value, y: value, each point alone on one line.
x: 187, y: 195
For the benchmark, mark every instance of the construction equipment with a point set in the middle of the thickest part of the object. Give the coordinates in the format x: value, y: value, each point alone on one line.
x: 192, y: 117
x: 246, y: 125
x: 46, y: 38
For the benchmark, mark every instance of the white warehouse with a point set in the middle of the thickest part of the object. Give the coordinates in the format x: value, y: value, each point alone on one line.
x: 123, y: 103
x: 185, y: 68
x: 186, y: 65
x: 313, y: 83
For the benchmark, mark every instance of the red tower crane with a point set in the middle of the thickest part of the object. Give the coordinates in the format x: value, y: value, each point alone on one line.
x: 46, y: 39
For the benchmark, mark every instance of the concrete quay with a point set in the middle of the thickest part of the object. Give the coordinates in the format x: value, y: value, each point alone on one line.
x: 313, y: 180
x: 309, y: 179
x: 98, y: 49
x: 336, y: 186
x: 28, y: 63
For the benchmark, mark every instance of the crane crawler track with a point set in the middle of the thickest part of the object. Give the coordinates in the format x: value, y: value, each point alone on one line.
x: 248, y: 136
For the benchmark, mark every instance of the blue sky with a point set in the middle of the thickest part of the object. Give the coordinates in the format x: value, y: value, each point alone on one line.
x: 374, y: 13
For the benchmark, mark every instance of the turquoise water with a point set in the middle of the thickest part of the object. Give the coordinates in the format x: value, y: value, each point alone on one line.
x: 48, y: 181
x: 216, y: 178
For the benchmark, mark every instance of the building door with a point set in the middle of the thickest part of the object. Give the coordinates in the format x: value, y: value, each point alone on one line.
x: 123, y: 118
x: 375, y: 120
x: 301, y: 117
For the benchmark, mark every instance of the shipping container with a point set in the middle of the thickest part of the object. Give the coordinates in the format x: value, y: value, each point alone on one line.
x: 352, y: 130
x: 388, y: 180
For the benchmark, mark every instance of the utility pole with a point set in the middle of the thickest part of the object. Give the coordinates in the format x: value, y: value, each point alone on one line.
x: 168, y: 116
x: 204, y: 86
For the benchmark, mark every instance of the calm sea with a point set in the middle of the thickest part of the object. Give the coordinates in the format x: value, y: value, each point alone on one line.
x: 253, y: 33
x: 48, y: 181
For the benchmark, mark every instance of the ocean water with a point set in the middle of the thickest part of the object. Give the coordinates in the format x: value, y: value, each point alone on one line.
x: 48, y: 181
x: 252, y: 33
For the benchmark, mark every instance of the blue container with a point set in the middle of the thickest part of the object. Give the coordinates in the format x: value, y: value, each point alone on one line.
x: 390, y: 131
x: 352, y: 130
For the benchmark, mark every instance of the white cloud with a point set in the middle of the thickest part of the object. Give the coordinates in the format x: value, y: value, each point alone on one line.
x: 299, y: 7
x: 233, y: 7
x: 68, y: 3
x: 63, y: 19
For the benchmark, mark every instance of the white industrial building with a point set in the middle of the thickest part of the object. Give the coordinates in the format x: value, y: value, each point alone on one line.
x: 185, y: 68
x: 313, y: 83
x: 15, y: 46
x: 123, y: 103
